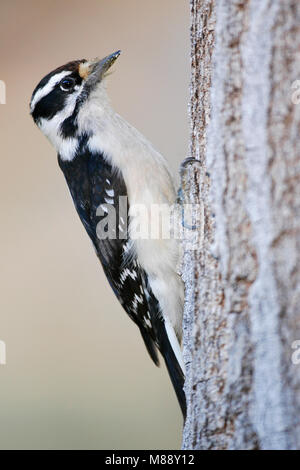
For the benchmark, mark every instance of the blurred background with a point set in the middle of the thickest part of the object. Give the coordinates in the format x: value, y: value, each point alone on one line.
x: 78, y: 375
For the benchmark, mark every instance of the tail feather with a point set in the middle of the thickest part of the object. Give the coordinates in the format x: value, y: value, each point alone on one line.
x: 170, y: 350
x: 175, y: 371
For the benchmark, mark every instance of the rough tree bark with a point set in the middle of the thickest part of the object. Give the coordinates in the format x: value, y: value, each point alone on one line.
x: 242, y: 312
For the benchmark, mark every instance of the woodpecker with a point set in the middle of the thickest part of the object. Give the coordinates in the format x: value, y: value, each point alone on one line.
x: 104, y: 159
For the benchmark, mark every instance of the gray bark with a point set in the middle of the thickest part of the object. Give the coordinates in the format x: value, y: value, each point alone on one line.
x: 242, y: 312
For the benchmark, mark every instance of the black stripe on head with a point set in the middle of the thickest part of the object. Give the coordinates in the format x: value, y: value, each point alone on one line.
x: 49, y: 105
x: 69, y: 126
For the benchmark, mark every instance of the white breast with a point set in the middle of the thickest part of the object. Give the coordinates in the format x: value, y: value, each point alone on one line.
x: 148, y: 183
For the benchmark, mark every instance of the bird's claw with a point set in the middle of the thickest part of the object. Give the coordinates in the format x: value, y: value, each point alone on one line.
x: 188, y: 161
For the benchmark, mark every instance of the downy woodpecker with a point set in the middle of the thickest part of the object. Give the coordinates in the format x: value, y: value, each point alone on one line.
x: 102, y: 158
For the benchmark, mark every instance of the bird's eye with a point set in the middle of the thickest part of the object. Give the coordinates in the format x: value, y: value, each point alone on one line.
x: 67, y: 84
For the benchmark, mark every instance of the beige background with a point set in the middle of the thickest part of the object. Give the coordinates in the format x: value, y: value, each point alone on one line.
x: 77, y: 373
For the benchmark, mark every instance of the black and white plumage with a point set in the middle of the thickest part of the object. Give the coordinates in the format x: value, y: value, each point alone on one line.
x: 105, y: 161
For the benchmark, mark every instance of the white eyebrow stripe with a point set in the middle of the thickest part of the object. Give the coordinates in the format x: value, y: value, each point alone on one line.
x: 47, y: 88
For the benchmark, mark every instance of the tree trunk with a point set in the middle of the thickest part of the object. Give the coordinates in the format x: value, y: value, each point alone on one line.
x: 242, y: 313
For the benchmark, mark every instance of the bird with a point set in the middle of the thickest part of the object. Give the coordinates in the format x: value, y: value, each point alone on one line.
x: 112, y: 170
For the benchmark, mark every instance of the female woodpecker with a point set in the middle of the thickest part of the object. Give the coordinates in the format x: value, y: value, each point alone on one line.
x: 106, y: 161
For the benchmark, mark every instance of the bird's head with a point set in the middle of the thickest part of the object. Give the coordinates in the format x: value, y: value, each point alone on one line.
x: 66, y: 93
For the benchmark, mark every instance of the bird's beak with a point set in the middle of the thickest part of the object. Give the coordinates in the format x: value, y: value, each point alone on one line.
x: 94, y: 70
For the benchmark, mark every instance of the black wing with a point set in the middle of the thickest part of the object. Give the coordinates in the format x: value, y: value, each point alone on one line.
x: 100, y: 197
x: 96, y: 188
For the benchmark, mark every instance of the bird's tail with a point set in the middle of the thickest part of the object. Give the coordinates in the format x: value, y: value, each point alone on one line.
x: 170, y: 350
